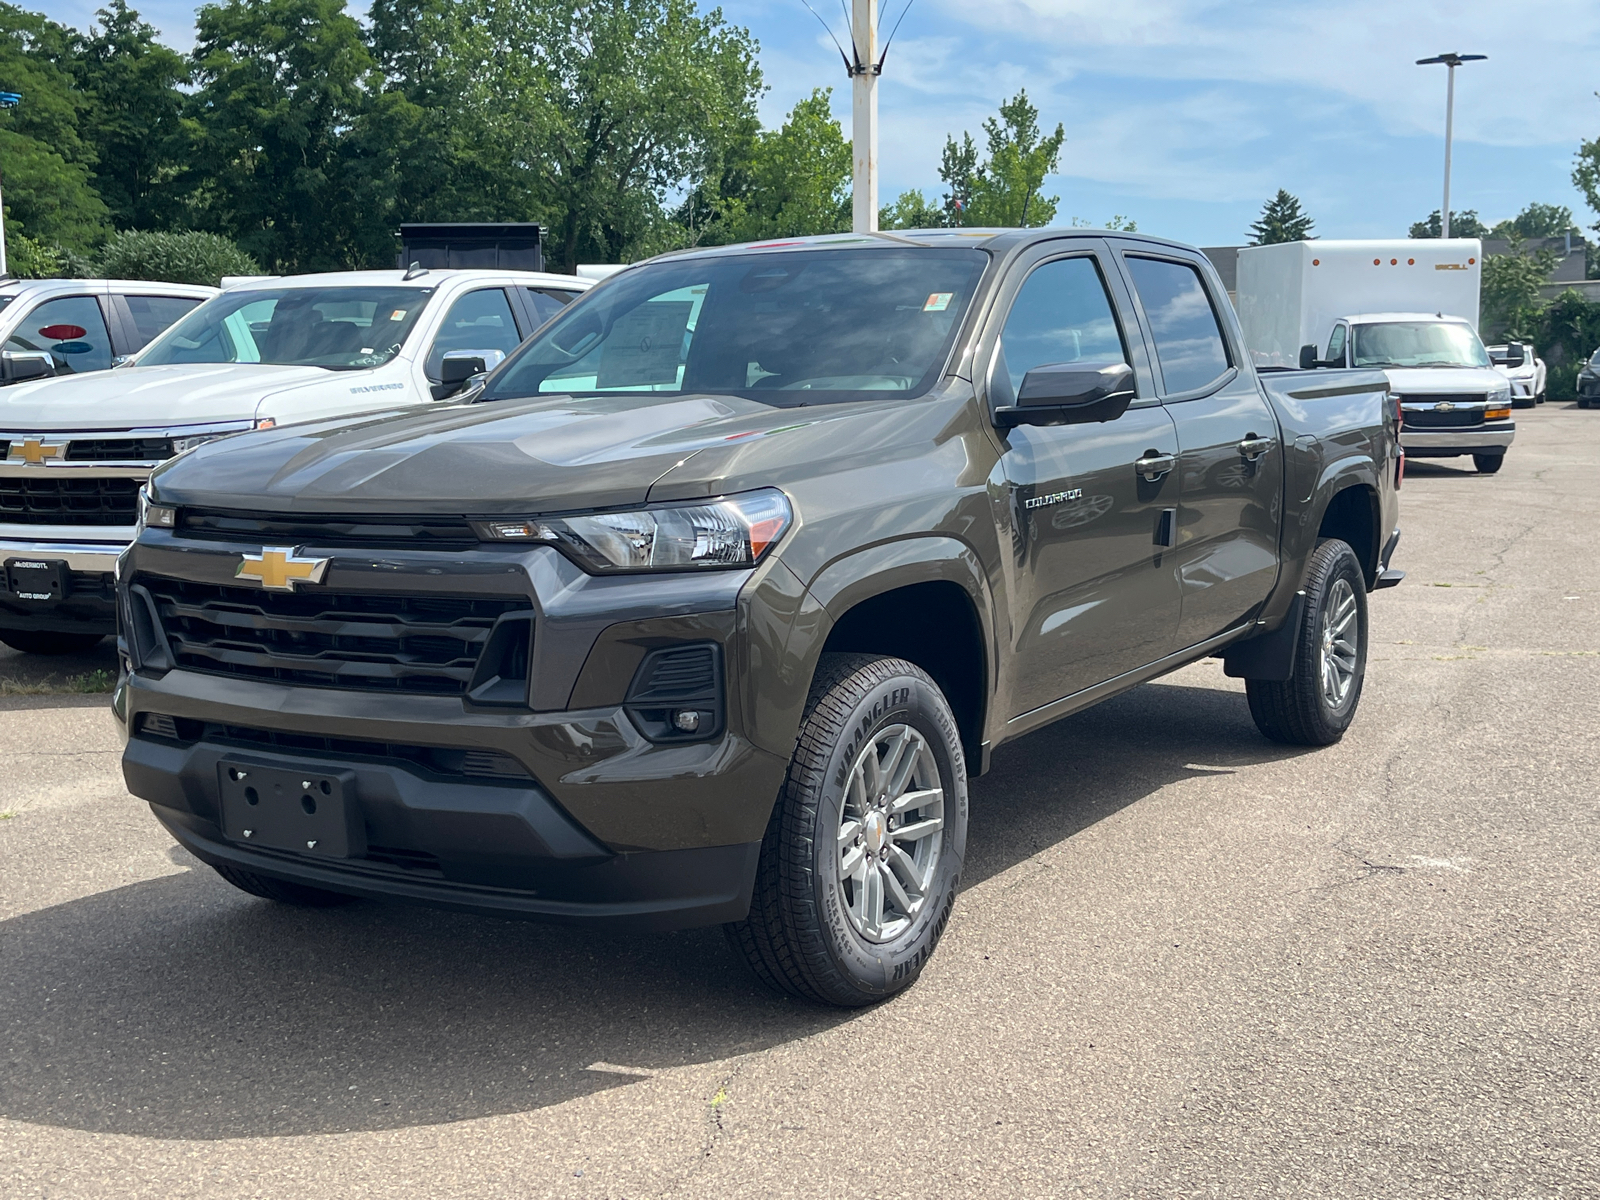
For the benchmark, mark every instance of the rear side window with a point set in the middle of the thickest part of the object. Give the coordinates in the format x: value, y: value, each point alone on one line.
x: 71, y: 329
x: 152, y: 314
x: 1061, y: 314
x: 547, y: 302
x: 1188, y: 339
x: 480, y: 323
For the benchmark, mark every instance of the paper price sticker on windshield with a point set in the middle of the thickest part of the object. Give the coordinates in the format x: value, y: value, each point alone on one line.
x: 938, y: 302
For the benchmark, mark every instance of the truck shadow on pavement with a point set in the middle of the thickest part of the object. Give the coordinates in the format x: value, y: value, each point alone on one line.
x: 180, y: 1008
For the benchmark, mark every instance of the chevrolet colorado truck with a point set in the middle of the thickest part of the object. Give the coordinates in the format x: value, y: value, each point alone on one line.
x: 706, y: 605
x: 75, y: 451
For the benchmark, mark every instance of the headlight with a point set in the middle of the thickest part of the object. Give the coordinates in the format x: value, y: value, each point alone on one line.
x: 733, y: 532
x: 1500, y: 395
x: 153, y: 515
x: 182, y: 445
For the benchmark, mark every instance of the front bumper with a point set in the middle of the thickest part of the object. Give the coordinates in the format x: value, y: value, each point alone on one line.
x: 90, y: 603
x: 601, y: 823
x: 1445, y: 443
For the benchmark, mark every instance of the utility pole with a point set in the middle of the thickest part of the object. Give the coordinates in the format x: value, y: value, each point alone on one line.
x: 1452, y: 61
x: 865, y: 67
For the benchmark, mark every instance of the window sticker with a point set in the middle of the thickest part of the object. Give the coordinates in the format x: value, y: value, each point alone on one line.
x: 938, y: 302
x: 398, y: 314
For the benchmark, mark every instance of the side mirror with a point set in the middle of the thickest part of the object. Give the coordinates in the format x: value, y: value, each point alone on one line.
x: 1070, y: 394
x: 19, y: 365
x: 1308, y: 358
x: 459, y: 367
x: 1514, y: 355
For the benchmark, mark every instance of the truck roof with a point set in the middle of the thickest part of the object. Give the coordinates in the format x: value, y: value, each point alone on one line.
x: 1378, y: 317
x: 396, y: 276
x: 984, y: 237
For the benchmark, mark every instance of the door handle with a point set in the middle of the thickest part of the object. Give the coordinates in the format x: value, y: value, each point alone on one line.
x: 1254, y: 447
x: 1152, y: 467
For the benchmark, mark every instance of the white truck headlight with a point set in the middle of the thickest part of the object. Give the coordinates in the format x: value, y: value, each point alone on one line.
x: 735, y: 531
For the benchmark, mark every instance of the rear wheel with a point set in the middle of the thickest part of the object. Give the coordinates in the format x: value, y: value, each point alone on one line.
x: 32, y: 641
x: 1316, y: 704
x: 281, y: 890
x: 859, y: 866
x: 1488, y: 464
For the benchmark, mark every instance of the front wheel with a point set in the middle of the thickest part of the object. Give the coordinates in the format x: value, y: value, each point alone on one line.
x: 33, y: 641
x: 859, y: 866
x: 1488, y: 464
x: 1316, y: 704
x: 1525, y: 402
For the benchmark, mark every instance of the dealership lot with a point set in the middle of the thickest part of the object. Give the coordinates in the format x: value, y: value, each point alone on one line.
x: 1187, y: 961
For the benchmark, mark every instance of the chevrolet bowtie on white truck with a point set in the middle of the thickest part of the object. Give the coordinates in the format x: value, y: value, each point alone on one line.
x: 74, y: 452
x: 1409, y: 308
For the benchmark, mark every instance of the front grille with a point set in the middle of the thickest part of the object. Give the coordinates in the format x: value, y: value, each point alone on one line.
x: 433, y: 760
x: 417, y: 645
x: 1424, y: 416
x: 149, y: 449
x: 410, y: 533
x: 60, y: 498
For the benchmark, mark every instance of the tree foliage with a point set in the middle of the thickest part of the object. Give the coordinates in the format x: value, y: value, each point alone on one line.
x: 1464, y: 224
x: 190, y: 257
x: 1005, y: 189
x: 1536, y: 221
x: 1281, y: 220
x: 1509, y: 292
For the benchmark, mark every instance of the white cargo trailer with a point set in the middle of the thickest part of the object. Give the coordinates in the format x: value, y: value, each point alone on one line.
x: 1291, y: 295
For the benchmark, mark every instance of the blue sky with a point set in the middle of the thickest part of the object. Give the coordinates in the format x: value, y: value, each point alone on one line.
x: 1187, y: 114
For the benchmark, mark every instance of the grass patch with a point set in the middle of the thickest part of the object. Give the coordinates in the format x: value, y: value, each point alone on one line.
x: 89, y: 683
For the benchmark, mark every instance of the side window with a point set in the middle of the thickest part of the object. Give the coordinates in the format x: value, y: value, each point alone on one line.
x: 152, y: 314
x: 1188, y: 340
x: 1061, y: 314
x: 480, y: 322
x: 547, y: 302
x: 71, y: 329
x: 1335, y: 352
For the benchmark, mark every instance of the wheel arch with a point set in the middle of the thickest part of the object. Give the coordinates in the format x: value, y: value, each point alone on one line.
x: 1352, y: 513
x: 925, y: 600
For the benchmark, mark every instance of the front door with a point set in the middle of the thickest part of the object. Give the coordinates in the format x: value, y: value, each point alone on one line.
x: 1094, y: 594
x: 1230, y: 497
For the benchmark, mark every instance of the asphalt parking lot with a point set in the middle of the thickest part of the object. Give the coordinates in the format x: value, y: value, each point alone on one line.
x: 1187, y: 962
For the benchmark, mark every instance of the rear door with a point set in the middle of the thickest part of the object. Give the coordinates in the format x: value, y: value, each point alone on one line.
x: 141, y: 316
x: 1093, y: 592
x: 1230, y: 495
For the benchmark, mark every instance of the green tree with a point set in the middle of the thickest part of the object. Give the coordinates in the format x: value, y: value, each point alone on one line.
x: 794, y: 180
x: 911, y: 210
x: 1464, y: 224
x: 280, y: 84
x: 1586, y: 174
x: 181, y: 257
x: 1281, y: 220
x: 1536, y: 221
x: 1510, y: 290
x: 48, y: 166
x: 1004, y: 189
x: 132, y: 119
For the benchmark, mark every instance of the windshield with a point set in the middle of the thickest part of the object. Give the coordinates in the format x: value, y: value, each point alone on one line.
x: 340, y: 328
x: 1418, y: 344
x: 803, y: 327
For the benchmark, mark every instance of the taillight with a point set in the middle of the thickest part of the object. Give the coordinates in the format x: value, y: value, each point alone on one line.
x: 1399, y: 470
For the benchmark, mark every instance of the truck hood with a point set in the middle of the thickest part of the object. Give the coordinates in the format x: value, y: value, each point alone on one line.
x: 1435, y: 381
x: 509, y: 456
x: 152, y: 397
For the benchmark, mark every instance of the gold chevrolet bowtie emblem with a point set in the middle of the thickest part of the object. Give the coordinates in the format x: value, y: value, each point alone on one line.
x: 280, y: 568
x: 34, y: 451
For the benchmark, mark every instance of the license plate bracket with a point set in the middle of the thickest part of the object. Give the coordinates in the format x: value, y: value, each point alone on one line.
x: 37, y: 581
x: 307, y: 810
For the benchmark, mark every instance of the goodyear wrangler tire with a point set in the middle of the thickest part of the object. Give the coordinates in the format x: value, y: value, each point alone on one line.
x: 863, y: 854
x: 1316, y: 704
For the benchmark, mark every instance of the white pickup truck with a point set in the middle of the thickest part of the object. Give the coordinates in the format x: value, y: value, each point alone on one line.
x: 75, y: 451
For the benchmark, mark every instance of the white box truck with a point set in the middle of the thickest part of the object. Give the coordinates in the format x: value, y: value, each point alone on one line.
x: 1409, y: 307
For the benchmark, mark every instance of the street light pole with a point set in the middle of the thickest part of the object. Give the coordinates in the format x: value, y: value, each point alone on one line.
x: 1451, y: 61
x: 864, y: 69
